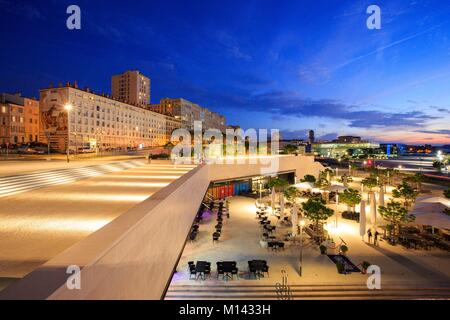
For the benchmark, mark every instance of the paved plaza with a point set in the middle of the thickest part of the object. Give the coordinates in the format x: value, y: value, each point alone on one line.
x: 240, y: 242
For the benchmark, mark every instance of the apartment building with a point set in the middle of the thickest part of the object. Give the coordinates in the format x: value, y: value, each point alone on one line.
x: 19, y: 119
x: 31, y: 120
x: 131, y: 87
x: 82, y: 120
x: 172, y: 124
x: 188, y: 112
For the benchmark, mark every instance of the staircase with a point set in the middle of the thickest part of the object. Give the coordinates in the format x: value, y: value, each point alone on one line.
x: 303, y: 292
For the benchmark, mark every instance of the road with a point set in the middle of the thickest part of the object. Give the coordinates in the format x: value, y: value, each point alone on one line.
x: 37, y: 225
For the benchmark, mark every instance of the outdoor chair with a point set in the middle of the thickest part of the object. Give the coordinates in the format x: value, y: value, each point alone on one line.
x: 220, y: 272
x: 207, y: 272
x: 235, y: 272
x: 192, y: 272
x: 266, y: 270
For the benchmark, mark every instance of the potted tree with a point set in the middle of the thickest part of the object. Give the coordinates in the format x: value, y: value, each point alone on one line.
x: 323, y: 249
x: 351, y: 198
x: 405, y: 192
x: 340, y: 267
x: 396, y: 215
x: 316, y: 210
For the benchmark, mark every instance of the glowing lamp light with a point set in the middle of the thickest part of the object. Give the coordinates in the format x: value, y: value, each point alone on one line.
x: 68, y: 107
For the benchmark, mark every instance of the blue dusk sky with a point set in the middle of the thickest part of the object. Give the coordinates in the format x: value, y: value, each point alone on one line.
x: 285, y: 64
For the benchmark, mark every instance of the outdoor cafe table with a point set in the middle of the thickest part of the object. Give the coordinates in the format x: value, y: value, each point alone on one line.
x: 200, y: 268
x: 275, y: 244
x: 411, y: 238
x: 444, y: 244
x: 227, y: 267
x: 258, y: 265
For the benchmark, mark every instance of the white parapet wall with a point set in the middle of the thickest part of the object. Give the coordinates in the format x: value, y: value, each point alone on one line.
x: 133, y: 257
x: 263, y: 166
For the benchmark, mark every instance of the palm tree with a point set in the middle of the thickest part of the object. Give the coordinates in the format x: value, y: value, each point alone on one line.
x: 396, y: 215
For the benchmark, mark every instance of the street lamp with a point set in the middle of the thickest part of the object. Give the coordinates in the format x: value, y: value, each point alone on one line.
x: 260, y: 193
x: 302, y: 224
x: 68, y: 107
x: 337, y: 208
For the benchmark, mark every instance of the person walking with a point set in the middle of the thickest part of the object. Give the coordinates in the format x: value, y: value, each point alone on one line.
x: 369, y: 235
x: 375, y: 238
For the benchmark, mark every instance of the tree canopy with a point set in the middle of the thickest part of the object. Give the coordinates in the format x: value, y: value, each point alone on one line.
x: 405, y: 192
x: 316, y: 210
x: 396, y: 214
x: 309, y: 178
x: 290, y: 149
x: 350, y: 197
x: 278, y: 184
x: 370, y: 182
x: 291, y: 193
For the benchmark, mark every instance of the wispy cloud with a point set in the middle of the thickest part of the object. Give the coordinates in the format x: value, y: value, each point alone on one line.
x: 444, y: 132
x: 232, y: 46
x: 390, y: 45
x: 27, y: 11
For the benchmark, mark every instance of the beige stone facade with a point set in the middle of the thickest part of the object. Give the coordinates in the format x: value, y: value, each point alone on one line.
x: 96, y: 122
x: 188, y: 112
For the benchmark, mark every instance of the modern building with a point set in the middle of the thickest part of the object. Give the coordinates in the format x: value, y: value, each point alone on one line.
x: 336, y: 150
x: 311, y: 137
x: 188, y: 112
x: 419, y: 149
x: 131, y: 87
x: 19, y: 119
x: 348, y: 139
x: 80, y: 120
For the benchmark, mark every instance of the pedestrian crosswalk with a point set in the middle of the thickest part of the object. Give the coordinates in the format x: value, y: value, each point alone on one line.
x: 17, y: 184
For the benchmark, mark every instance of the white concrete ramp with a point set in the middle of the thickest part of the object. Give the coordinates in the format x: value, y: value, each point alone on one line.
x: 22, y: 183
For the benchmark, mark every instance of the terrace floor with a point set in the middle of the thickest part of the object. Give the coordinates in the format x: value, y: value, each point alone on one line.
x: 240, y: 242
